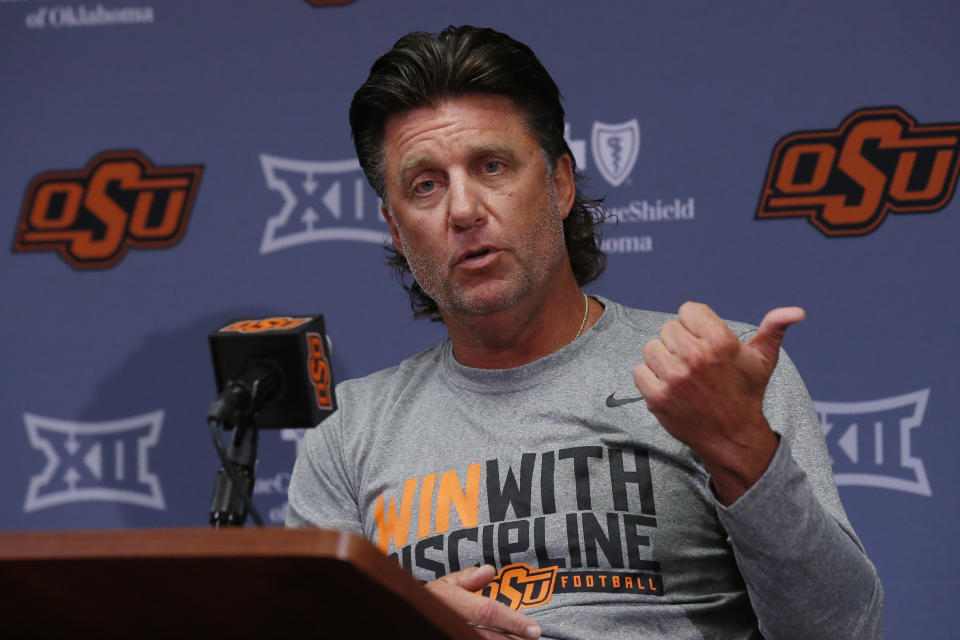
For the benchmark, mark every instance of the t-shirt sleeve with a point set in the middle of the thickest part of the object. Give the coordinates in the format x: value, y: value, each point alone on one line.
x: 321, y: 492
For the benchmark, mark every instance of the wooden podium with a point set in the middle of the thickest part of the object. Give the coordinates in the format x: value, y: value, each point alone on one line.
x: 204, y: 583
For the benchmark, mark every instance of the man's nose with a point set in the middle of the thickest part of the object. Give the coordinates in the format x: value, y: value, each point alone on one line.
x: 466, y: 205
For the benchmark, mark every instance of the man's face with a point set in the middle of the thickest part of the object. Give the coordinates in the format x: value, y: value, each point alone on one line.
x: 472, y: 205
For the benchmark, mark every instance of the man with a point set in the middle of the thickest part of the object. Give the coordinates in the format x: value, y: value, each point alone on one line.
x: 612, y: 472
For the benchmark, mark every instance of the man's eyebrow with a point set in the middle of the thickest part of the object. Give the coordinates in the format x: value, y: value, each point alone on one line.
x: 413, y: 163
x: 493, y: 149
x: 484, y: 149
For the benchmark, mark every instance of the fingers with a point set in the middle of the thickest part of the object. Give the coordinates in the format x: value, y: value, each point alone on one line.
x: 685, y: 344
x: 703, y: 323
x: 679, y: 340
x: 773, y: 328
x: 471, y: 578
x: 496, y: 619
x: 699, y: 338
x: 699, y: 319
x: 650, y: 386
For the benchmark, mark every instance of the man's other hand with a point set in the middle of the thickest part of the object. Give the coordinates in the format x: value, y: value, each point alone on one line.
x: 706, y: 388
x: 491, y: 619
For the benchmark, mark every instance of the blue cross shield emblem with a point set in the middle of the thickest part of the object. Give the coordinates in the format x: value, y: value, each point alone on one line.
x: 615, y: 148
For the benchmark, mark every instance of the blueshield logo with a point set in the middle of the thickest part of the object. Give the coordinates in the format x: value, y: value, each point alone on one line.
x: 321, y: 201
x: 615, y: 148
x: 94, y: 461
x: 870, y: 442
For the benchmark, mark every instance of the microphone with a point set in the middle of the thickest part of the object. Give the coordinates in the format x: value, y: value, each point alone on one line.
x: 275, y: 371
x: 272, y: 373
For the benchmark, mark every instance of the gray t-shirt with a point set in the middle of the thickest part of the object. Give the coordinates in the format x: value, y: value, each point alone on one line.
x: 600, y: 523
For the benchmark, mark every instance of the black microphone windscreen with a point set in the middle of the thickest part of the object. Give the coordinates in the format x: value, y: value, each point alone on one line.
x: 298, y: 347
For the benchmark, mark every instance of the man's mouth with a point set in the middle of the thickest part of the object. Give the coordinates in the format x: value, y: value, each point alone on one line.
x: 478, y: 257
x: 476, y: 254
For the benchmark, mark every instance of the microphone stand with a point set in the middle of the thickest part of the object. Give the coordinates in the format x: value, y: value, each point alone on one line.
x: 232, y: 494
x: 237, y: 405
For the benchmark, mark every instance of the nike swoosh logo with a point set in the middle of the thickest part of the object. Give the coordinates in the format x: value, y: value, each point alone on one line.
x: 613, y: 402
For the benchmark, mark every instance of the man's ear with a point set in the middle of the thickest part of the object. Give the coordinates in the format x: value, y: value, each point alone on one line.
x: 564, y: 185
x: 394, y: 232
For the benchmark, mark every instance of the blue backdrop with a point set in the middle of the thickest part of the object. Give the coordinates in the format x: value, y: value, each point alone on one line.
x: 168, y: 165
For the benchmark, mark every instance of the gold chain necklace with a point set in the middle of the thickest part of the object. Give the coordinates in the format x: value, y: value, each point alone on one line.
x: 586, y: 312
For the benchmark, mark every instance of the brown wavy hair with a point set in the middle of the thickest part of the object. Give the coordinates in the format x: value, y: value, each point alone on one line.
x: 424, y: 69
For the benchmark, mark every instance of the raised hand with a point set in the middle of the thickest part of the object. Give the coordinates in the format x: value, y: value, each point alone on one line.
x: 491, y: 619
x: 706, y: 388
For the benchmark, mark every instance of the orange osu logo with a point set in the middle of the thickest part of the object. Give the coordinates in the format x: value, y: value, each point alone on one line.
x: 279, y: 323
x: 319, y: 371
x: 120, y: 200
x: 520, y: 587
x: 846, y: 180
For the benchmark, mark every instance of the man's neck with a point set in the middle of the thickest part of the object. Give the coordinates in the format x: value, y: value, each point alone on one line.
x: 529, y: 330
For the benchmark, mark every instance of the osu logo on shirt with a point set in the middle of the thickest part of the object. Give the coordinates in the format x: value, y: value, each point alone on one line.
x: 279, y: 323
x: 120, y: 200
x: 520, y: 587
x: 877, y: 161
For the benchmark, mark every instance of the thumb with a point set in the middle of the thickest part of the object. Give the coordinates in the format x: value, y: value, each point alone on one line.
x: 772, y: 329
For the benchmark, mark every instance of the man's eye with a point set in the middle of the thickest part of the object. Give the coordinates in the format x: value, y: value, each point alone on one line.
x: 424, y: 187
x: 493, y: 166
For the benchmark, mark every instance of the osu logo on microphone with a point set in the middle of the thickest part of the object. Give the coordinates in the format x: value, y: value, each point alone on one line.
x: 520, y: 587
x: 846, y: 180
x: 319, y: 370
x: 120, y: 200
x: 279, y: 323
